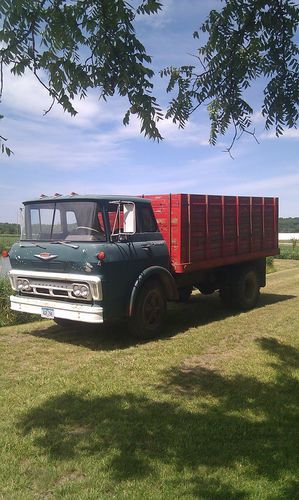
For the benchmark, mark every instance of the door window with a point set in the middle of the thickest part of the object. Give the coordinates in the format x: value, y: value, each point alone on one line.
x: 146, y: 220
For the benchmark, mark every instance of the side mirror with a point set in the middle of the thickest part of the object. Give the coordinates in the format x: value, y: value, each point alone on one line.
x: 21, y: 221
x: 129, y: 218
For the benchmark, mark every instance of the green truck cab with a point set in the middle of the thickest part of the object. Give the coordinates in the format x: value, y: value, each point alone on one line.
x: 92, y: 259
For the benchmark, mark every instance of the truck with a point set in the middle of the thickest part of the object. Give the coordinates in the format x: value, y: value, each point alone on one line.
x: 97, y: 258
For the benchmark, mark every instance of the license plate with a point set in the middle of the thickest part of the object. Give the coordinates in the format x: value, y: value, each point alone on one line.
x: 47, y: 312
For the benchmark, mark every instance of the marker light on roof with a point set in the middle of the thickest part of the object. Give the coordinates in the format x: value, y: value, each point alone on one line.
x: 73, y: 194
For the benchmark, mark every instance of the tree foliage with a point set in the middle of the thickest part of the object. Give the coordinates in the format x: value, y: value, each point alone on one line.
x: 247, y: 39
x: 72, y: 46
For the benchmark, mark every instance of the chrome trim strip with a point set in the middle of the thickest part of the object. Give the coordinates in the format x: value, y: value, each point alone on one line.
x: 93, y: 281
x: 64, y: 310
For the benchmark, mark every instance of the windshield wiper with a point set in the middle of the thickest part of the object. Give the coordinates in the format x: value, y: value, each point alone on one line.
x: 22, y: 245
x: 65, y: 243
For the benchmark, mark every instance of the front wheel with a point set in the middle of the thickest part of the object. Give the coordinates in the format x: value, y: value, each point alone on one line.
x: 149, y: 312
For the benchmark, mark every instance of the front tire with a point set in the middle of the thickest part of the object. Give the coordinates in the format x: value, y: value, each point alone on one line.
x: 149, y: 312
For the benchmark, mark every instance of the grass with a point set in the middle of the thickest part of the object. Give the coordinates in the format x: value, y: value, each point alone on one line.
x: 7, y: 240
x: 7, y: 316
x: 210, y: 410
x: 289, y: 250
x: 270, y: 267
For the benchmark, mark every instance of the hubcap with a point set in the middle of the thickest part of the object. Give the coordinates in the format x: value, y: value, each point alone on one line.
x: 153, y: 309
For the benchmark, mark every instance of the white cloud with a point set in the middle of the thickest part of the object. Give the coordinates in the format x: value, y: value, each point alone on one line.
x: 268, y: 185
x: 62, y: 148
x: 25, y: 96
x: 26, y: 100
x: 290, y: 133
x: 257, y: 117
x: 159, y: 20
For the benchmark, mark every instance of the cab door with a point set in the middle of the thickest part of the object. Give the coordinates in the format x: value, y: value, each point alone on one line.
x: 150, y: 247
x: 129, y: 255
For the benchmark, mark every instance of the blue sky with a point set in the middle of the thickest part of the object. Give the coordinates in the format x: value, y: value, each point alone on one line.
x: 95, y: 153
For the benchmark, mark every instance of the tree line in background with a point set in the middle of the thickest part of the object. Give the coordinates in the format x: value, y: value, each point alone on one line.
x: 288, y: 225
x: 9, y: 228
x: 285, y: 225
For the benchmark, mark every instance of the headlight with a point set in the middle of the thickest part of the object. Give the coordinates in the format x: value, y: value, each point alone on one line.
x: 84, y: 291
x: 23, y: 285
x: 80, y: 290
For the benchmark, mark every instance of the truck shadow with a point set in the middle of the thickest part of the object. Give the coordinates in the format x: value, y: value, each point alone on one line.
x: 239, y: 424
x: 200, y: 310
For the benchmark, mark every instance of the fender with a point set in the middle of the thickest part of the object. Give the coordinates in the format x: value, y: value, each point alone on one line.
x: 166, y: 278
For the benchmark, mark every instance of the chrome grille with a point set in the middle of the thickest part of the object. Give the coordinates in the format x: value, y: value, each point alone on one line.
x: 53, y: 288
x: 57, y: 285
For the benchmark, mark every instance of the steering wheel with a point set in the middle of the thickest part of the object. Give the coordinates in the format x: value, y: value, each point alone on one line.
x: 85, y: 227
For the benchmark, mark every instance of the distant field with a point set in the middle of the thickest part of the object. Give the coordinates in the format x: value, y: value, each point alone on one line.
x: 7, y: 240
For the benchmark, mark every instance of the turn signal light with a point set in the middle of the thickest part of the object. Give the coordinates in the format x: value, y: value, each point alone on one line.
x: 101, y: 255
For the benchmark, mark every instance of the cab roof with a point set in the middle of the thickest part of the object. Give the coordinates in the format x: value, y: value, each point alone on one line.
x: 87, y: 197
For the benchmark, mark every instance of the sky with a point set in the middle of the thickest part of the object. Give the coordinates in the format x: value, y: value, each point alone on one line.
x: 94, y: 153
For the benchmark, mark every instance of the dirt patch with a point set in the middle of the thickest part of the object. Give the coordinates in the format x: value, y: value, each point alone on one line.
x: 208, y: 360
x: 70, y: 477
x: 79, y: 430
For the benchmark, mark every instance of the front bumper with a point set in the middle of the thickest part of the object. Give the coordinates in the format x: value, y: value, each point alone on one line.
x: 65, y: 310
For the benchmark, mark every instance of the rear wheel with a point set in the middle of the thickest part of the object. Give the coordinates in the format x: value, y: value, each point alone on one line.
x: 226, y: 296
x: 246, y: 289
x: 149, y: 312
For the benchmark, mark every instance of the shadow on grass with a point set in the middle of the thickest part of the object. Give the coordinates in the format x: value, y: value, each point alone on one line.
x: 243, y: 430
x: 200, y: 310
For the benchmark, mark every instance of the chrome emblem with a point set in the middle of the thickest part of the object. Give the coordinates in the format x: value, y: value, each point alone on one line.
x: 45, y: 256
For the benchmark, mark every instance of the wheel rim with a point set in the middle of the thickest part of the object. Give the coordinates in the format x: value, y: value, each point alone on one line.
x: 153, y: 310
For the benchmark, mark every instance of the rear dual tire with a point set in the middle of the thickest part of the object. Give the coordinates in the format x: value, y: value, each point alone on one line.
x: 244, y: 291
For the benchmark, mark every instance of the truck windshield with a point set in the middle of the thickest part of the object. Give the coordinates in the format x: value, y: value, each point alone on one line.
x: 64, y: 221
